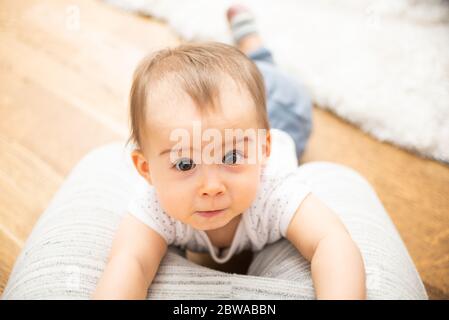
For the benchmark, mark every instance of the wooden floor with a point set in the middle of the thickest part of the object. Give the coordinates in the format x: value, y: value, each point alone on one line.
x: 63, y: 91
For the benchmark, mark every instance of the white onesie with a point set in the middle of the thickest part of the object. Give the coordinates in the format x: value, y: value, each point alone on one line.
x: 280, y: 193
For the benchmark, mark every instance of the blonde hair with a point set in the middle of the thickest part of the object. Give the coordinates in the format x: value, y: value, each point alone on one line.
x: 198, y: 69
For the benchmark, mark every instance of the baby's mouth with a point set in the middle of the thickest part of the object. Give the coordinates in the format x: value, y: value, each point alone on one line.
x: 210, y: 213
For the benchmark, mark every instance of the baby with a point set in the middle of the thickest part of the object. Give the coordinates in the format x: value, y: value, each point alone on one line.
x: 201, y: 128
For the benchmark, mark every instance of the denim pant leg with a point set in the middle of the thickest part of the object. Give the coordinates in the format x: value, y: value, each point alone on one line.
x: 289, y: 106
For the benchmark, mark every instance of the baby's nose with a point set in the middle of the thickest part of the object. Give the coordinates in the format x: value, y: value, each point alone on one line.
x: 212, y: 185
x: 212, y: 190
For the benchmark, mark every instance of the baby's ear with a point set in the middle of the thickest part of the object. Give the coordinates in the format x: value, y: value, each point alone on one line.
x: 141, y: 164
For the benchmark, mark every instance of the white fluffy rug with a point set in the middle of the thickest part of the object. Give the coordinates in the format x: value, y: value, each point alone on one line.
x: 382, y: 65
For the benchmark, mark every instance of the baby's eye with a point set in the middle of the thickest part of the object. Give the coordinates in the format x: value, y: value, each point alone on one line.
x: 232, y: 157
x: 184, y: 164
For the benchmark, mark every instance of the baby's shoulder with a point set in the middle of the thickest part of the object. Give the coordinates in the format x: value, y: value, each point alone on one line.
x: 277, y: 186
x: 272, y: 178
x: 278, y: 197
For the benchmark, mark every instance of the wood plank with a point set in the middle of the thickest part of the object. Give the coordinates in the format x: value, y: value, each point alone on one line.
x: 105, y: 48
x: 27, y: 184
x: 91, y: 67
x: 9, y: 250
x: 54, y: 129
x: 61, y: 82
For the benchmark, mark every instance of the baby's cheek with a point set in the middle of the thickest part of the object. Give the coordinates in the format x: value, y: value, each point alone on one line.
x: 175, y: 201
x: 246, y: 191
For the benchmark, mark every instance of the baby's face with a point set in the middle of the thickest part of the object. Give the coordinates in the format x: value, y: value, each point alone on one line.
x: 197, y: 175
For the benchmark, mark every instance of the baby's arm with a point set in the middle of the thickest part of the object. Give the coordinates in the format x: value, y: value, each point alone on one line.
x: 337, y: 265
x: 136, y: 253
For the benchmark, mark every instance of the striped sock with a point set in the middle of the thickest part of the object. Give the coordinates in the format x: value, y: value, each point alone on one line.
x: 242, y: 24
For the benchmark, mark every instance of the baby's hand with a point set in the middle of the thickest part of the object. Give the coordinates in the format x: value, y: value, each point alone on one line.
x: 337, y: 265
x: 133, y: 262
